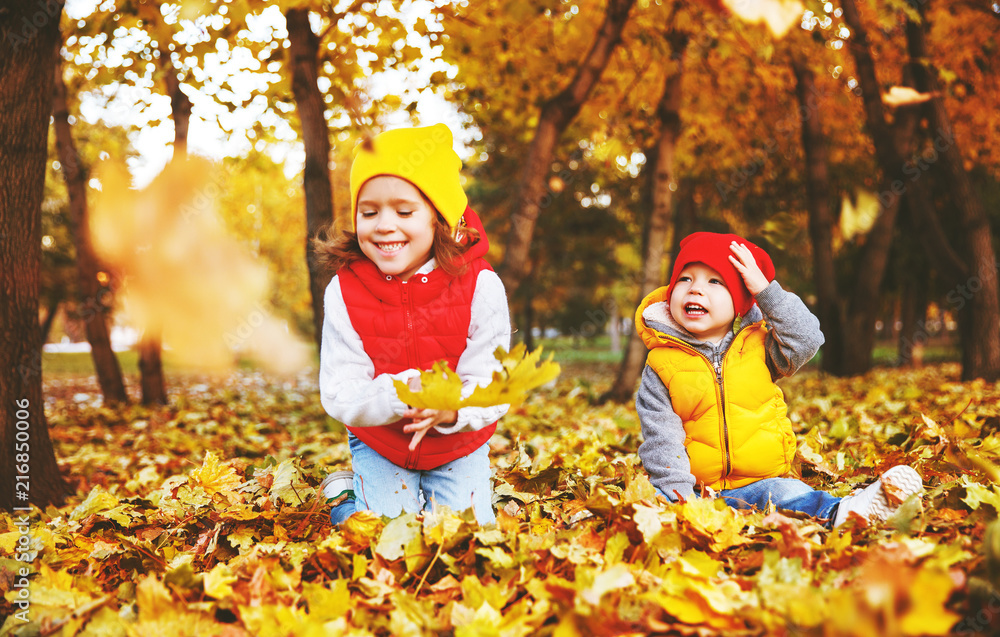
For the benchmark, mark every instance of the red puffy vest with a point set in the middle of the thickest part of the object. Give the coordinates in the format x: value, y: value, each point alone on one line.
x: 411, y: 325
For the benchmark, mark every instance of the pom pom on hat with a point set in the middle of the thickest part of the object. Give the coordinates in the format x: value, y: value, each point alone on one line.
x: 422, y: 156
x: 712, y: 249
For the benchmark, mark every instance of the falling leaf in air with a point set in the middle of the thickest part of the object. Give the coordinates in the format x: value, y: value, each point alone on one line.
x: 904, y: 96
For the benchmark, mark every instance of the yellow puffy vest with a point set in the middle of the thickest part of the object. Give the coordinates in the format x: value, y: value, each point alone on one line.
x: 735, y: 419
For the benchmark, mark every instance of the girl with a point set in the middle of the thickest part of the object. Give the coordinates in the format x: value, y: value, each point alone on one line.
x: 411, y: 288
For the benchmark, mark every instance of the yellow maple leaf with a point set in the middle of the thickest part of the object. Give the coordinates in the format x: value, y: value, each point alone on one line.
x: 715, y: 525
x: 892, y: 597
x: 153, y: 599
x: 445, y: 528
x: 8, y: 542
x: 692, y: 599
x: 522, y: 372
x: 361, y: 528
x: 219, y: 582
x: 328, y: 602
x: 288, y: 483
x: 638, y: 488
x: 681, y: 607
x: 977, y: 494
x: 929, y: 614
x: 858, y: 214
x: 904, y: 96
x: 647, y: 520
x: 396, y: 535
x: 616, y: 577
x: 97, y: 500
x: 441, y: 388
x: 214, y: 476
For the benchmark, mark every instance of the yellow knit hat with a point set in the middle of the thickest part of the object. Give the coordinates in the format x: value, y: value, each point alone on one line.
x: 422, y: 156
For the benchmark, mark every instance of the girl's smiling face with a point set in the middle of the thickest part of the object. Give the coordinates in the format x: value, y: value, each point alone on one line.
x: 395, y: 225
x: 700, y: 302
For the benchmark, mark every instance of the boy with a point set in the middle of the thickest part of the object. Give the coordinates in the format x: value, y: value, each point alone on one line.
x: 719, y: 336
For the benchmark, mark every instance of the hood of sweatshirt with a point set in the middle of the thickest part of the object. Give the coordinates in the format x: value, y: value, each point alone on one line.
x: 482, y: 246
x: 657, y: 326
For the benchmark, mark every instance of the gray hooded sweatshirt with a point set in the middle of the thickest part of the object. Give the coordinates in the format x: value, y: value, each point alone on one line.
x: 793, y: 338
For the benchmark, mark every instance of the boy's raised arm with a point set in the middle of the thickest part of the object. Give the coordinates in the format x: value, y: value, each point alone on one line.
x: 794, y: 336
x: 662, y: 451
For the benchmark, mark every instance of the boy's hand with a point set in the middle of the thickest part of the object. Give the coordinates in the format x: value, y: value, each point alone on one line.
x: 747, y: 266
x: 423, y: 420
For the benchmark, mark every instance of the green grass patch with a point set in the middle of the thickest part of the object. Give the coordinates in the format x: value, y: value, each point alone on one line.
x: 68, y: 364
x: 81, y: 363
x: 566, y: 349
x: 887, y: 355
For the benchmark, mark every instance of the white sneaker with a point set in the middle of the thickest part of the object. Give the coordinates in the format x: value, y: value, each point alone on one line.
x: 880, y: 499
x: 337, y: 484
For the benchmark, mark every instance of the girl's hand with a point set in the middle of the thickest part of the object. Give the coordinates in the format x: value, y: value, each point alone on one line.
x: 424, y: 419
x: 747, y: 266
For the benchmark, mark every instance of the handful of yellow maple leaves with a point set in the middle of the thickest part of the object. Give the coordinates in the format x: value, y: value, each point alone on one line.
x: 441, y: 388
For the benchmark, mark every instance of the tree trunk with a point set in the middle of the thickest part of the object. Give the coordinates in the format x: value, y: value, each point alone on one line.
x: 963, y: 316
x: 928, y: 228
x: 303, y: 54
x: 862, y: 307
x: 556, y: 115
x: 686, y: 220
x: 983, y: 340
x: 154, y: 391
x: 821, y: 220
x: 528, y: 328
x: 91, y: 294
x: 151, y: 367
x: 658, y: 234
x: 180, y: 112
x: 28, y: 468
x: 919, y: 199
x: 150, y: 349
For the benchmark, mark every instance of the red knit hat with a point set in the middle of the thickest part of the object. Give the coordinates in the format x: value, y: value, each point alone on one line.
x: 712, y: 249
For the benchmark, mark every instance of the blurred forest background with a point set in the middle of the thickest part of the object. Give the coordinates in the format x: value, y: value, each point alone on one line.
x: 855, y: 141
x: 164, y: 166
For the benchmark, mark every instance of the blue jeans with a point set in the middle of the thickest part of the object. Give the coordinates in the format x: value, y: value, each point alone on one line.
x: 786, y: 494
x: 390, y: 490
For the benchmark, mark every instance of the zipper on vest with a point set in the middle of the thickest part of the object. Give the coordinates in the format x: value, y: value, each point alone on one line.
x: 725, y: 424
x: 717, y: 366
x: 411, y: 341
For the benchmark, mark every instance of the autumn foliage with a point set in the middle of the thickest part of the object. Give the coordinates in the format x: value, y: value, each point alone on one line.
x: 204, y: 518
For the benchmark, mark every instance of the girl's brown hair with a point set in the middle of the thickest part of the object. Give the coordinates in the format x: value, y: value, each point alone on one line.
x: 335, y: 250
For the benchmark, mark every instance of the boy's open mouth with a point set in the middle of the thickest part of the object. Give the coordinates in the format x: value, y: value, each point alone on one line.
x: 694, y: 309
x: 391, y: 247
